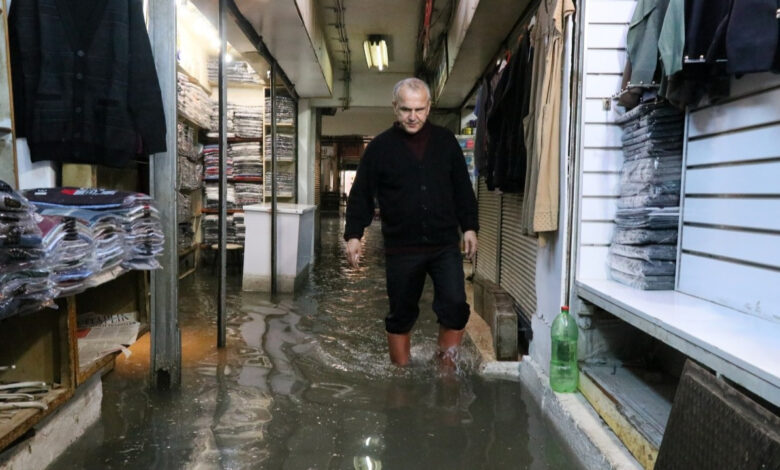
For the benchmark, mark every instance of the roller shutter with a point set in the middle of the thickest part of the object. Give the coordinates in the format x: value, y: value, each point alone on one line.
x: 489, y: 212
x: 518, y: 256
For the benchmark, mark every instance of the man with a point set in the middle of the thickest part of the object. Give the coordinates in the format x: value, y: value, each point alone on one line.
x: 419, y: 176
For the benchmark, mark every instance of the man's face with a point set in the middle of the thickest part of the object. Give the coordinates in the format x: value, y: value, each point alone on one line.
x: 411, y: 109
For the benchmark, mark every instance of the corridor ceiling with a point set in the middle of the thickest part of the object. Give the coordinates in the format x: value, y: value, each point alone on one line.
x: 304, y: 37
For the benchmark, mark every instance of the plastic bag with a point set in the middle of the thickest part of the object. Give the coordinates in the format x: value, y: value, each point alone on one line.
x: 640, y: 267
x: 643, y: 282
x: 625, y: 236
x: 645, y: 252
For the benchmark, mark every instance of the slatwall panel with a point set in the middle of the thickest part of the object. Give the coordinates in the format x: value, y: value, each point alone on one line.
x: 518, y: 256
x: 489, y: 206
x: 730, y: 251
x: 601, y: 156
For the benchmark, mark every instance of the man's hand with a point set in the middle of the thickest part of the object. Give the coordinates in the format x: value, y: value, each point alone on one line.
x: 354, y: 251
x: 470, y: 240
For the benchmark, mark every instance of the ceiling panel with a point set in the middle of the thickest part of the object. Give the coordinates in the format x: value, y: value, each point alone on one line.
x: 491, y: 23
x: 280, y: 25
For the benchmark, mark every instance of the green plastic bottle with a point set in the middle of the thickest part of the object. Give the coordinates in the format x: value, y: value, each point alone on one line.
x: 564, y: 372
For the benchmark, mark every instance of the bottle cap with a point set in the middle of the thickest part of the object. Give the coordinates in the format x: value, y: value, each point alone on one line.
x: 565, y: 308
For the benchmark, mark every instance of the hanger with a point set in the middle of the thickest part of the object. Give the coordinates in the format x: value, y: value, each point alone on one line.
x: 702, y: 60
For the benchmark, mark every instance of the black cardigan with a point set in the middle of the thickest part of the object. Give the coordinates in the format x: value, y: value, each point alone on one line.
x: 422, y: 202
x: 85, y: 89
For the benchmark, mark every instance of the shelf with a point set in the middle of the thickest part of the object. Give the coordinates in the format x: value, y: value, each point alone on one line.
x: 104, y: 363
x: 189, y: 250
x: 19, y: 422
x: 238, y: 179
x: 278, y: 160
x: 192, y: 79
x: 739, y: 346
x: 216, y: 211
x: 280, y: 194
x: 185, y: 117
x: 235, y: 84
x: 281, y: 124
x: 237, y: 140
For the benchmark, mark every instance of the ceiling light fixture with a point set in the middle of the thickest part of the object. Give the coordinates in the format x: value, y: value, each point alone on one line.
x: 375, y: 48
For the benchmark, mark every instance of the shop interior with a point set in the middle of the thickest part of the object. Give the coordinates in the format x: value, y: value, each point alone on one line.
x: 275, y: 103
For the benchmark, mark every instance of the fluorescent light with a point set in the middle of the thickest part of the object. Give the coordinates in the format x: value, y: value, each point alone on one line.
x: 375, y: 48
x: 367, y: 51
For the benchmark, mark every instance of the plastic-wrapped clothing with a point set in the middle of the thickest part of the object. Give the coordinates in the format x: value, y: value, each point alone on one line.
x: 648, y: 217
x: 643, y: 282
x: 645, y: 252
x: 645, y: 200
x: 626, y: 236
x: 651, y: 170
x: 640, y: 267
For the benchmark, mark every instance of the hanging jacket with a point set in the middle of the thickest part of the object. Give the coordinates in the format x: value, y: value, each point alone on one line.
x: 506, y: 121
x: 752, y: 36
x: 704, y: 49
x: 642, y: 45
x: 85, y: 88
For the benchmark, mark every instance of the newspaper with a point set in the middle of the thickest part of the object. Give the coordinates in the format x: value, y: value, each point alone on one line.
x: 100, y: 335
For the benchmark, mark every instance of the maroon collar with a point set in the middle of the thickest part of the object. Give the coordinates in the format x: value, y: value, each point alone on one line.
x: 416, y: 142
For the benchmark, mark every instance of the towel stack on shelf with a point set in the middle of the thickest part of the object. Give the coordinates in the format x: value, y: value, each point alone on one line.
x: 285, y: 183
x: 247, y: 159
x: 212, y: 195
x: 236, y: 71
x: 285, y: 110
x: 25, y: 280
x: 644, y: 245
x: 285, y: 146
x: 240, y: 227
x: 247, y: 120
x: 211, y: 163
x: 248, y: 193
x: 193, y: 102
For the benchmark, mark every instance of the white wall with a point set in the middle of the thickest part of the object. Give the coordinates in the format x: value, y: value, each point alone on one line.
x: 358, y: 121
x: 730, y: 242
x: 306, y: 148
x: 33, y: 175
x: 601, y: 157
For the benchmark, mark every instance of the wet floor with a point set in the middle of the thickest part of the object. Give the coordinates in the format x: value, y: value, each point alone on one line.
x: 305, y: 383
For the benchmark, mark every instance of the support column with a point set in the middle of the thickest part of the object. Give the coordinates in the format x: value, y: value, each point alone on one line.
x: 166, y: 340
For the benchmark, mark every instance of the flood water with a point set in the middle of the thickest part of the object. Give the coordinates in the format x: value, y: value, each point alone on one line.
x: 305, y: 383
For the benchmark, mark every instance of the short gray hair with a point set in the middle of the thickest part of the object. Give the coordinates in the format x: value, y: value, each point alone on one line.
x: 413, y: 84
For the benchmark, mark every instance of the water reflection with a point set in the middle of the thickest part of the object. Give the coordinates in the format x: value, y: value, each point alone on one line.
x: 306, y: 384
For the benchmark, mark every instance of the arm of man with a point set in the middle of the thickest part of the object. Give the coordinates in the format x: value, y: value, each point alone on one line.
x: 465, y: 201
x: 360, y: 207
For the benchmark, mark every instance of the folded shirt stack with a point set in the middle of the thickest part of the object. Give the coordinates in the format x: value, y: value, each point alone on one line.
x: 236, y: 71
x: 644, y: 246
x: 285, y: 182
x: 211, y: 163
x: 285, y: 147
x: 285, y: 110
x: 212, y: 195
x: 70, y: 247
x: 193, y: 102
x: 25, y: 280
x: 121, y: 219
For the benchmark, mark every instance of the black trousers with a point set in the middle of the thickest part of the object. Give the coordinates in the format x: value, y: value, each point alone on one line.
x: 405, y: 281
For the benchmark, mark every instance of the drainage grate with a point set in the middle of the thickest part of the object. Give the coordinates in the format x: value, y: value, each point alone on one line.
x: 713, y: 425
